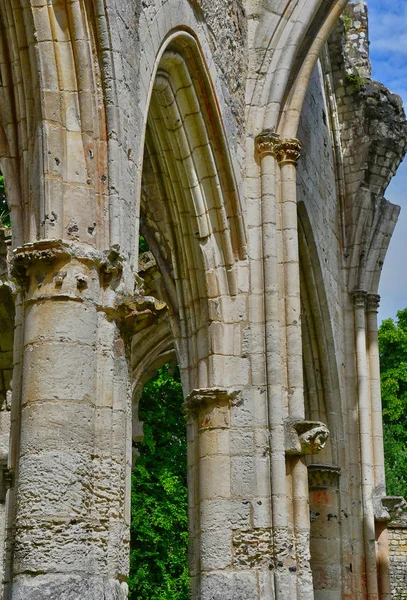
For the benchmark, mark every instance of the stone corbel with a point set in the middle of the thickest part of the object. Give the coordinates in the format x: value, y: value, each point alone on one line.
x: 305, y: 437
x: 211, y: 406
x: 390, y: 508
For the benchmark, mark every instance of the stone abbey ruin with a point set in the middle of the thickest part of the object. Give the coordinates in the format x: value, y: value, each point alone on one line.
x: 247, y: 142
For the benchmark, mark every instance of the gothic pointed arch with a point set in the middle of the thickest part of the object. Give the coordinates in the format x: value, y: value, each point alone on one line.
x: 190, y: 207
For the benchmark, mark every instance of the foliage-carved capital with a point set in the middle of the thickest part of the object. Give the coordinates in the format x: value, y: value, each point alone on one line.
x: 291, y: 151
x: 268, y: 142
x: 284, y: 151
x: 34, y: 259
x: 134, y: 313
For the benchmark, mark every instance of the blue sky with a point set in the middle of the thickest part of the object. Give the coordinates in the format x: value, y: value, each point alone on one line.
x: 388, y: 53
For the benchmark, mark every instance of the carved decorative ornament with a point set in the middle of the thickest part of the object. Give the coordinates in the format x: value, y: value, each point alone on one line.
x: 372, y: 302
x: 284, y: 151
x: 30, y: 256
x: 268, y: 142
x: 390, y: 509
x: 305, y: 437
x: 359, y: 298
x: 292, y: 151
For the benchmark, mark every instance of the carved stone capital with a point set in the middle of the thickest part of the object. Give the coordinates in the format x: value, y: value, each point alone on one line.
x: 359, y: 298
x: 29, y: 259
x: 390, y: 509
x: 305, y: 437
x: 268, y: 142
x: 291, y: 151
x: 372, y: 302
x: 322, y: 477
x: 284, y: 151
x: 211, y: 406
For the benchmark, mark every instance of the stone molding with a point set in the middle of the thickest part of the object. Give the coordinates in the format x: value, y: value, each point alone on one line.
x: 305, y: 437
x: 284, y: 151
x: 321, y: 477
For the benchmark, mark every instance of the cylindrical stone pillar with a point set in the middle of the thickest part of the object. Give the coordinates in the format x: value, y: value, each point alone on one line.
x: 366, y: 445
x: 226, y: 547
x: 71, y: 517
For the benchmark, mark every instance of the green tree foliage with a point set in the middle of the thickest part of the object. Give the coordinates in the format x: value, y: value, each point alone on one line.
x: 393, y: 367
x: 159, y: 535
x: 4, y: 210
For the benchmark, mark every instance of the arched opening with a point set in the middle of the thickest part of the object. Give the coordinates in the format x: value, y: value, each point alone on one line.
x: 190, y: 218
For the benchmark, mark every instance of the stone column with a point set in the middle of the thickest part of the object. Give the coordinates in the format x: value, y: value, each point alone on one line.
x: 226, y: 546
x: 382, y: 539
x: 366, y: 447
x: 288, y: 158
x: 73, y: 463
x: 372, y: 306
x: 325, y: 531
x: 268, y: 148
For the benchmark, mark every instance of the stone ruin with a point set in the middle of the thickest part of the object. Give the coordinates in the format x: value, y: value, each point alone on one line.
x: 247, y: 142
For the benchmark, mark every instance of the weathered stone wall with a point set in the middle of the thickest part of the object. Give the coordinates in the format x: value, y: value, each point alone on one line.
x: 398, y: 561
